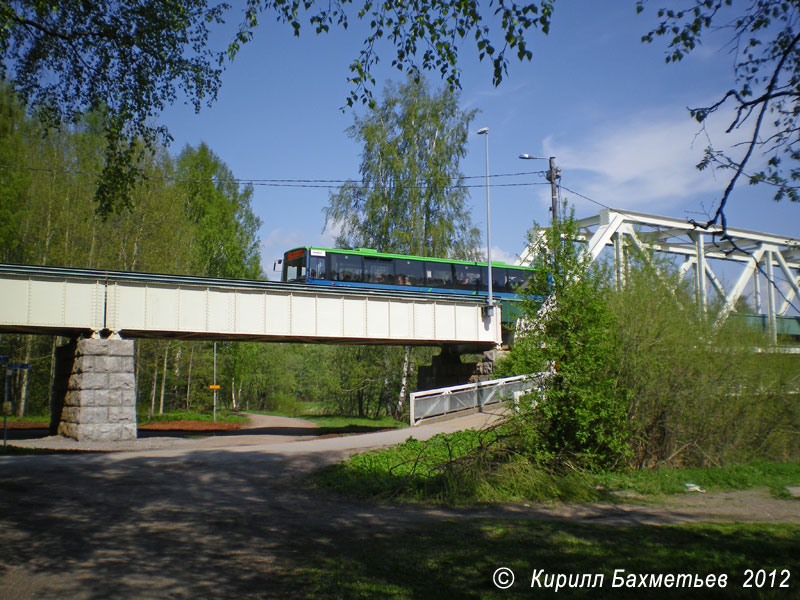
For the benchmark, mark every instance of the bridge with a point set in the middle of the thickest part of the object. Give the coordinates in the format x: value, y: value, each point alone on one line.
x: 108, y: 309
x: 762, y: 269
x: 93, y: 303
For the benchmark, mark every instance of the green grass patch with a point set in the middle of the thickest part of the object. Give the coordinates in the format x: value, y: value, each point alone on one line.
x: 340, y: 424
x: 28, y: 419
x: 456, y: 559
x: 223, y: 416
x: 772, y: 475
x: 466, y: 468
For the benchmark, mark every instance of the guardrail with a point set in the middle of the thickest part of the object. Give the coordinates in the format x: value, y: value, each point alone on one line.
x: 443, y: 401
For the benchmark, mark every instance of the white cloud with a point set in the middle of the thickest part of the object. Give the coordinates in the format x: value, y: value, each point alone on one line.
x: 645, y: 162
x: 500, y: 255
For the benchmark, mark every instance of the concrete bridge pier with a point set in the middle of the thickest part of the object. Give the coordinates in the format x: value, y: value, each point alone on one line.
x: 447, y: 369
x: 94, y: 390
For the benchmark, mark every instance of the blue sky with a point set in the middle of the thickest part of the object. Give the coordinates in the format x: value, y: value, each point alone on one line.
x: 594, y: 96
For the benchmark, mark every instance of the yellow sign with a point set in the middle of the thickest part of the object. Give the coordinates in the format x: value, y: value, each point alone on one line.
x: 213, y: 387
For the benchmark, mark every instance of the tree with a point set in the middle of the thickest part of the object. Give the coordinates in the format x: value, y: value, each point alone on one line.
x: 134, y: 58
x: 579, y: 414
x: 410, y: 199
x: 226, y: 233
x: 765, y: 43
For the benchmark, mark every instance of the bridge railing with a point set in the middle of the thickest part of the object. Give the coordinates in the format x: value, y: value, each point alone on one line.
x: 444, y: 401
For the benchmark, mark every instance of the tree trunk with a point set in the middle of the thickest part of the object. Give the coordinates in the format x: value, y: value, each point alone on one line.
x: 189, y: 377
x: 163, y: 380
x: 153, y: 391
x: 401, y: 398
x: 23, y: 388
x: 52, y: 376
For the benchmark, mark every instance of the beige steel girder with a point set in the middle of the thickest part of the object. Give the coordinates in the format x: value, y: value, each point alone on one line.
x: 160, y: 306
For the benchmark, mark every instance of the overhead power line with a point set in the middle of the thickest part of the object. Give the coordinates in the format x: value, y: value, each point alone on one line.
x: 266, y: 182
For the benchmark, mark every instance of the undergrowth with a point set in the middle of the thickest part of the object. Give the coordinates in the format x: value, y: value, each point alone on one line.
x: 471, y: 467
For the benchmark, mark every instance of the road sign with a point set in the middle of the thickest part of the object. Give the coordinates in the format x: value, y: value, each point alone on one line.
x: 3, y: 359
x: 19, y: 366
x: 213, y: 387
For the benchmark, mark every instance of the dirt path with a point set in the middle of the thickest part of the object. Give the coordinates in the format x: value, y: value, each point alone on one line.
x: 224, y: 516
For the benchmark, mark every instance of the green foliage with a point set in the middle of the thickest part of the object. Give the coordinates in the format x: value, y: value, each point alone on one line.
x: 764, y: 38
x: 698, y: 395
x: 226, y: 227
x: 424, y: 36
x: 135, y: 59
x: 409, y: 199
x: 413, y: 470
x: 132, y: 60
x: 638, y: 377
x: 580, y: 414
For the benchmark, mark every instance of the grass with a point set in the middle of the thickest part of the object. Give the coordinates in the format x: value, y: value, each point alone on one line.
x: 340, y: 424
x: 28, y: 418
x: 343, y: 425
x: 772, y: 475
x: 452, y: 469
x: 457, y: 559
x: 223, y: 416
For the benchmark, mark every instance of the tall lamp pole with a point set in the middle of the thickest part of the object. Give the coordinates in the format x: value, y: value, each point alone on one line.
x: 552, y: 174
x: 484, y: 131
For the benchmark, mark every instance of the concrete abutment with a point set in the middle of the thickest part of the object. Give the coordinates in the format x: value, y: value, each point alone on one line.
x: 447, y: 369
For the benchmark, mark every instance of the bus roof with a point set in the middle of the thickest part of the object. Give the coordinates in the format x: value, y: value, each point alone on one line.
x: 374, y: 253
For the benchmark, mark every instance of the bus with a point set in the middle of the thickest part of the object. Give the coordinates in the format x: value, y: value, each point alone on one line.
x: 365, y: 268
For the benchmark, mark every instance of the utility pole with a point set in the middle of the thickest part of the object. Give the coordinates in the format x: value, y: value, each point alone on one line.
x: 216, y: 387
x: 552, y: 175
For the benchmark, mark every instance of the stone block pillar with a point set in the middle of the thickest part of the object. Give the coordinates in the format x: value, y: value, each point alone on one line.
x: 447, y: 369
x: 100, y: 402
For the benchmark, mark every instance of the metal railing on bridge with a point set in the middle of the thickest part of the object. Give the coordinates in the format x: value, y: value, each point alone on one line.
x: 426, y: 404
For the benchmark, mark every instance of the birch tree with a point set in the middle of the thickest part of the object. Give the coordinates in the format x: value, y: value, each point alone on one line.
x: 410, y: 198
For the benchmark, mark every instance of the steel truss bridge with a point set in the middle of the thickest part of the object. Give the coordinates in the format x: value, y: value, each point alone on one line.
x: 766, y: 267
x: 93, y: 303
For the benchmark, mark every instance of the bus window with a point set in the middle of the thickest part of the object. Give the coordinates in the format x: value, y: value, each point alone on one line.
x: 517, y: 278
x: 317, y: 267
x: 468, y: 277
x: 378, y: 270
x: 294, y: 265
x: 408, y: 272
x: 438, y: 275
x: 345, y: 267
x: 499, y: 280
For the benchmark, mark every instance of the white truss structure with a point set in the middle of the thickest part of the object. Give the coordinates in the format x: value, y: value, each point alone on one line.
x: 768, y: 264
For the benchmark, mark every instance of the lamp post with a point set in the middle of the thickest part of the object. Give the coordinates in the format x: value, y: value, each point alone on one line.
x: 552, y: 174
x: 484, y: 131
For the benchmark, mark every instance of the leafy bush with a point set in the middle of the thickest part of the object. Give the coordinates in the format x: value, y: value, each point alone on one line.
x: 639, y: 378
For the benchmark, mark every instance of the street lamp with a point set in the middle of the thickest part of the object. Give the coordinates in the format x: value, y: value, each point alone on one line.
x: 484, y: 131
x: 552, y: 174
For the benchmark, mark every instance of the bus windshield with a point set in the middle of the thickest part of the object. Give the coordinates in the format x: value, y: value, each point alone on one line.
x: 294, y: 265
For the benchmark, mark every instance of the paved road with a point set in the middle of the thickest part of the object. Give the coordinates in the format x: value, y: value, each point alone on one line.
x: 201, y: 520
